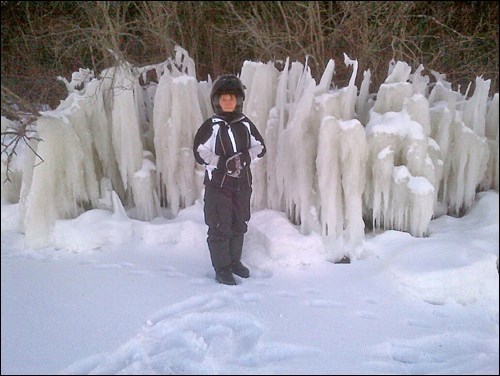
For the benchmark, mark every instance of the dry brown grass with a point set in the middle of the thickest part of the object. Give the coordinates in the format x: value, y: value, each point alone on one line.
x: 43, y: 40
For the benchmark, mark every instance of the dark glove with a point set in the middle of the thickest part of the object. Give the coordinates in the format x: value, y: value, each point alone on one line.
x: 233, y: 166
x: 221, y: 164
x: 245, y: 158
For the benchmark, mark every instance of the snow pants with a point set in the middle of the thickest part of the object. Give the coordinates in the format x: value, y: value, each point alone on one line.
x: 227, y: 213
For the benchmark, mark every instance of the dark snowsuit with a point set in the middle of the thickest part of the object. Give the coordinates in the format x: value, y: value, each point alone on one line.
x: 227, y: 198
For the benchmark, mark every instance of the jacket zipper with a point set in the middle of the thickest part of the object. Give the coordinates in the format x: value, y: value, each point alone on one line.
x: 225, y: 154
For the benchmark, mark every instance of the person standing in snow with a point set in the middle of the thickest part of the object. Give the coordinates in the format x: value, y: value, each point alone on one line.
x: 226, y: 143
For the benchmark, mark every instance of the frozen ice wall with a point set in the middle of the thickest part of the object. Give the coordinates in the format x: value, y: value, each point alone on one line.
x: 337, y: 159
x: 93, y: 136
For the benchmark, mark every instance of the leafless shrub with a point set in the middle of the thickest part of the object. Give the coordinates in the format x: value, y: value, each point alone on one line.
x: 23, y: 115
x: 43, y: 40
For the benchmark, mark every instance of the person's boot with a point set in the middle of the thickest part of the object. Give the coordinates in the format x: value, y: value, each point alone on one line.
x: 224, y: 275
x: 239, y: 269
x: 236, y: 247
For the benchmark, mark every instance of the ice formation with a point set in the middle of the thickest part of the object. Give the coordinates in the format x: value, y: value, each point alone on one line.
x: 338, y: 159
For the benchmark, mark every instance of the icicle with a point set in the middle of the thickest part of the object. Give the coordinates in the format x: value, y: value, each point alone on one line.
x: 144, y: 187
x: 326, y: 79
x: 260, y: 81
x: 353, y: 158
x: 490, y: 180
x: 474, y: 112
x: 363, y: 104
x: 469, y: 160
x: 420, y: 83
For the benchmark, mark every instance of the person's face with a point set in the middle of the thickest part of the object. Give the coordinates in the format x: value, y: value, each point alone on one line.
x: 227, y: 102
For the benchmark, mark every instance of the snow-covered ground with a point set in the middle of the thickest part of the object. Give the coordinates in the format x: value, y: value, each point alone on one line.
x: 122, y: 296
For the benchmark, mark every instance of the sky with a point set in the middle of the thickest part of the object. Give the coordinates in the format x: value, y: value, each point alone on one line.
x: 115, y: 295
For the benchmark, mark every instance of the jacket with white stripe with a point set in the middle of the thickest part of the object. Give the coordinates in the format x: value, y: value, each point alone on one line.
x: 219, y: 138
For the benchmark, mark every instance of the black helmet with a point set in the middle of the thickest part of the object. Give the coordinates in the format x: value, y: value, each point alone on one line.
x: 227, y: 84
